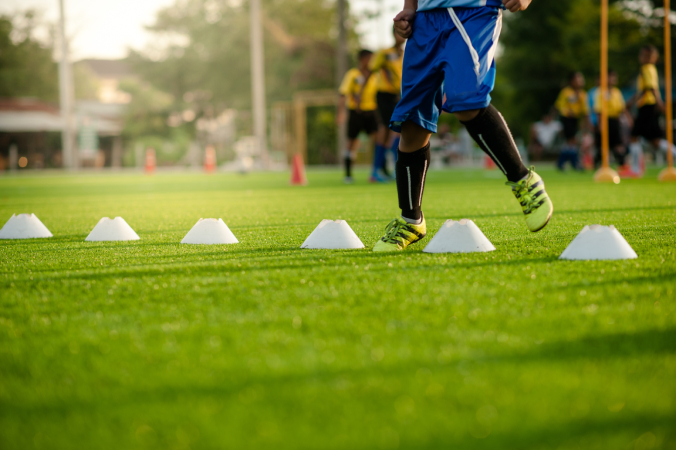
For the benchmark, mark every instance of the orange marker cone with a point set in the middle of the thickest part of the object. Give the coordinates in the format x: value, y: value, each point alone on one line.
x: 488, y: 163
x: 210, y: 159
x: 298, y: 171
x: 151, y: 161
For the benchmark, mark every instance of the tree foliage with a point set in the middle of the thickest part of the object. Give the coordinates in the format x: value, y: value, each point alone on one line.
x: 203, y: 46
x: 553, y: 38
x: 26, y: 65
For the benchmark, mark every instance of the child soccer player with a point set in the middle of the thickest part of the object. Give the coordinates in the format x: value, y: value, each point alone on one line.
x: 616, y: 107
x: 649, y: 103
x: 572, y: 105
x: 449, y: 65
x: 386, y: 66
x: 358, y: 94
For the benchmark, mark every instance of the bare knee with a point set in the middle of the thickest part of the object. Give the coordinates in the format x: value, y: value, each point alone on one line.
x: 413, y: 137
x: 466, y: 116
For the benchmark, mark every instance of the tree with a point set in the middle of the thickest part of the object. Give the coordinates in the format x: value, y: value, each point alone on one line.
x: 26, y: 65
x: 203, y: 45
x: 551, y: 39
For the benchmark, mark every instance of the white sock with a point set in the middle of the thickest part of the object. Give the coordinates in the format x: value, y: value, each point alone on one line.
x: 664, y: 146
x: 413, y: 221
x: 636, y: 152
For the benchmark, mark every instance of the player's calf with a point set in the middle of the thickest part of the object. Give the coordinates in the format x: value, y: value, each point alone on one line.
x: 410, y: 227
x: 489, y: 130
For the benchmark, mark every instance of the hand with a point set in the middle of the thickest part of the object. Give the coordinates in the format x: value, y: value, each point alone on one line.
x: 403, y: 22
x: 516, y: 5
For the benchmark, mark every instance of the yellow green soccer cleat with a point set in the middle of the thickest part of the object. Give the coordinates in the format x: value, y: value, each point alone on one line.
x: 537, y: 207
x: 399, y: 234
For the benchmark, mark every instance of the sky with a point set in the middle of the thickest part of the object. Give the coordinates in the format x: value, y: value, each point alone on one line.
x: 107, y: 28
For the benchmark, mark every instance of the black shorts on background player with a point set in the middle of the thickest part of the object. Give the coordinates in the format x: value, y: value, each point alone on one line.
x: 386, y: 104
x: 647, y: 123
x: 571, y: 126
x: 614, y: 134
x: 614, y: 141
x: 359, y: 121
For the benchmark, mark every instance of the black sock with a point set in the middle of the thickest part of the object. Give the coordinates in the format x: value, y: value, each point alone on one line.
x: 411, y: 173
x: 348, y: 166
x: 489, y: 130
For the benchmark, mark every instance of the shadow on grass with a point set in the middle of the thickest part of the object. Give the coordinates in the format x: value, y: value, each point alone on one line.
x: 567, y: 435
x: 600, y: 347
x: 568, y: 211
x: 281, y: 389
x: 664, y: 278
x: 224, y: 265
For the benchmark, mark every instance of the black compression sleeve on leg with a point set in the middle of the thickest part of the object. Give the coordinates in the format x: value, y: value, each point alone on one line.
x: 411, y: 173
x: 489, y: 130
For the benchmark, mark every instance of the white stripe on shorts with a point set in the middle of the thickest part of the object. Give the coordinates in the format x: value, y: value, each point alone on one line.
x: 468, y: 41
x: 496, y: 37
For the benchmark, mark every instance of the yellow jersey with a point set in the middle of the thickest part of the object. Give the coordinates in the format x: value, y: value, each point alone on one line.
x: 351, y: 87
x: 615, y: 102
x: 572, y: 104
x: 387, y: 66
x: 646, y: 82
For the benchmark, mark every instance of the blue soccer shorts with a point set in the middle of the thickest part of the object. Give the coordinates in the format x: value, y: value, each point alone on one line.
x: 448, y: 64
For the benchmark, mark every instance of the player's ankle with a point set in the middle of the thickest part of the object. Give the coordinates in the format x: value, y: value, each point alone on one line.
x: 412, y: 217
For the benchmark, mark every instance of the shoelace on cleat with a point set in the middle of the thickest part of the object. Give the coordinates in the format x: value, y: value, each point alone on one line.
x: 393, y: 232
x: 524, y: 193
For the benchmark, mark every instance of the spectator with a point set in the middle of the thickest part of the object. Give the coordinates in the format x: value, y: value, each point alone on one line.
x: 616, y: 108
x: 543, y: 136
x: 572, y: 106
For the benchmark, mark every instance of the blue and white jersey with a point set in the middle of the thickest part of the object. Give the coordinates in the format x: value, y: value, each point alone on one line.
x: 426, y: 5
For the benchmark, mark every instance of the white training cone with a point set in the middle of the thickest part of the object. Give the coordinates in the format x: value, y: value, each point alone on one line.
x: 332, y: 235
x: 112, y: 230
x: 459, y: 237
x: 599, y: 242
x: 24, y: 226
x: 210, y: 231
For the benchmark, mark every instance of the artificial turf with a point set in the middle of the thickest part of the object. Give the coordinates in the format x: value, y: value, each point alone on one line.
x: 154, y: 344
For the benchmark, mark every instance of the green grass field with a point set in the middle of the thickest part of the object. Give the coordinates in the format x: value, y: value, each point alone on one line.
x: 153, y: 344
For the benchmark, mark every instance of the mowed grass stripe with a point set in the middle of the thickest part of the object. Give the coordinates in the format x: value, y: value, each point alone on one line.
x: 153, y: 344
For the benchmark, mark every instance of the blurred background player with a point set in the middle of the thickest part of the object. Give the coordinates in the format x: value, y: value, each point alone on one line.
x: 616, y: 108
x: 572, y: 107
x: 386, y: 66
x: 649, y: 103
x: 544, y: 135
x: 357, y: 102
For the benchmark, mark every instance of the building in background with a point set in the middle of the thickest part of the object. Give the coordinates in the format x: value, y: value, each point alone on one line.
x: 30, y: 134
x: 30, y: 128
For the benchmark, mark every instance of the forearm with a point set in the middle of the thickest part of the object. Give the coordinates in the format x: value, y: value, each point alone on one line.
x: 341, y: 103
x: 411, y: 4
x: 658, y: 96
